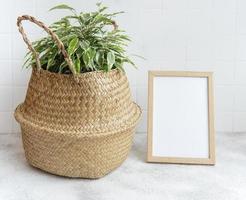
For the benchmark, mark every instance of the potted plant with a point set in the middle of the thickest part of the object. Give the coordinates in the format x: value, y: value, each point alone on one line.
x: 78, y: 117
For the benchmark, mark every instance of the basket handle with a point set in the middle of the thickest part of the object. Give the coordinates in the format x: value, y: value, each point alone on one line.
x: 53, y: 36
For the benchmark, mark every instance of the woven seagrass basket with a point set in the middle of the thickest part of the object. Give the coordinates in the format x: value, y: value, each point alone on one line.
x: 79, y: 127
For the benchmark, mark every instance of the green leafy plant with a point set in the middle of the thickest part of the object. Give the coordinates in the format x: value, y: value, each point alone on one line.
x: 92, y: 40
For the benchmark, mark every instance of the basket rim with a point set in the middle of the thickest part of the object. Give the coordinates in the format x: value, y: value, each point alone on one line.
x: 79, y: 75
x: 122, y: 126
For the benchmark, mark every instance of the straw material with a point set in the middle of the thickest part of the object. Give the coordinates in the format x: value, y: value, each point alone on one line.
x: 77, y: 129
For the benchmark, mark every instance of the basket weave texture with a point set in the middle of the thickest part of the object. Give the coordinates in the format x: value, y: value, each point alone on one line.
x: 77, y: 129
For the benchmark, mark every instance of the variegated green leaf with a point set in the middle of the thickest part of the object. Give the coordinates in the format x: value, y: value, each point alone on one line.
x: 63, y: 7
x: 73, y: 45
x: 110, y: 60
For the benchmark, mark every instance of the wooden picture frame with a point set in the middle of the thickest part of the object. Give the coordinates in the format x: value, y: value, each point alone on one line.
x: 172, y: 82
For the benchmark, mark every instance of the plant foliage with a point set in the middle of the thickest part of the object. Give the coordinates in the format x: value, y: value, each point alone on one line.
x: 90, y: 40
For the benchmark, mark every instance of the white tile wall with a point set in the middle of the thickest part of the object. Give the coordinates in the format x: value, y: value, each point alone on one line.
x: 200, y: 35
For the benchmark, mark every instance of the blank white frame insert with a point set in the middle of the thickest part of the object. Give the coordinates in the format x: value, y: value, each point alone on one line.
x: 181, y: 118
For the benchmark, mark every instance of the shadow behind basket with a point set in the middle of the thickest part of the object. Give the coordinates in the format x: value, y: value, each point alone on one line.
x: 81, y: 128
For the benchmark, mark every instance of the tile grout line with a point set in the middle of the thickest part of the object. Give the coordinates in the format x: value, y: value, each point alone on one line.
x: 235, y: 61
